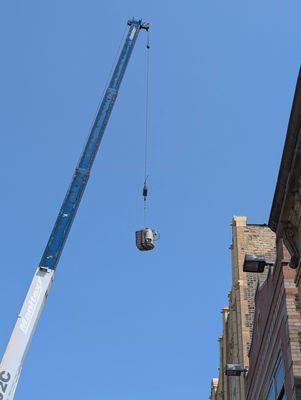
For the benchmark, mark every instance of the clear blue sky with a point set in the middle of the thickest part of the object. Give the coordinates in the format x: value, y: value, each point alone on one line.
x: 119, y: 324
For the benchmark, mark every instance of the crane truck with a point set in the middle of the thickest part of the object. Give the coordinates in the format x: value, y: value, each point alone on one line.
x: 13, y: 358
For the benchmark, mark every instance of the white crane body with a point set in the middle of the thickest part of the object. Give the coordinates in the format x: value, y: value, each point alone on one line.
x: 12, y: 362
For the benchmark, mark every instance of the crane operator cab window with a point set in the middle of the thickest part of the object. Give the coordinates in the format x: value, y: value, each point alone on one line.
x: 145, y: 239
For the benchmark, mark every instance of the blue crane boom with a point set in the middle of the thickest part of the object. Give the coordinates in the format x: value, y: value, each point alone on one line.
x: 80, y: 178
x: 13, y: 358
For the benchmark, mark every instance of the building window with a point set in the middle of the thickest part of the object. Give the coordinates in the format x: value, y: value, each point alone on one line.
x: 276, y: 390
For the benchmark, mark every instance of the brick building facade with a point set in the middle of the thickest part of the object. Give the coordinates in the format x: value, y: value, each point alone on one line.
x: 275, y: 356
x: 238, y: 317
x: 275, y: 349
x: 285, y: 217
x: 262, y: 325
x: 270, y: 316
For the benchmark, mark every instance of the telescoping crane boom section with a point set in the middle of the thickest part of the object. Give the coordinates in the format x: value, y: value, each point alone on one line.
x: 12, y: 361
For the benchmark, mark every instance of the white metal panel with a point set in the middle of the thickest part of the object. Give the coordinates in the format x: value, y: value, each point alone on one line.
x: 12, y: 361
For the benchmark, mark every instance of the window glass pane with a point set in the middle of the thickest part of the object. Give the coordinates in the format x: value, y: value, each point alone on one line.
x: 271, y: 395
x: 279, y: 378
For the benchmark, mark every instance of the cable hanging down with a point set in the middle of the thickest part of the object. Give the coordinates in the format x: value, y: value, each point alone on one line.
x: 146, y: 237
x: 145, y: 188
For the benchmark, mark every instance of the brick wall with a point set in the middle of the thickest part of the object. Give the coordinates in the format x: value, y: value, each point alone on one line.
x: 255, y: 239
x: 276, y: 334
x: 239, y: 317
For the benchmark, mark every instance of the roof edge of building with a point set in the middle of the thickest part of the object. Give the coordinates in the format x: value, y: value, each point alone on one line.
x: 292, y: 135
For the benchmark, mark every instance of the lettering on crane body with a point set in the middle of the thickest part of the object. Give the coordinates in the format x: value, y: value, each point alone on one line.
x: 4, y: 379
x: 32, y: 306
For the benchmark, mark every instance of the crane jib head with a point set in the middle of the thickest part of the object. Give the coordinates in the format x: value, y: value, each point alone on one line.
x: 143, y: 25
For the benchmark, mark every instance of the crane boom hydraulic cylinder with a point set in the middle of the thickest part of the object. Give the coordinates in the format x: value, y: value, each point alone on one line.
x: 12, y: 361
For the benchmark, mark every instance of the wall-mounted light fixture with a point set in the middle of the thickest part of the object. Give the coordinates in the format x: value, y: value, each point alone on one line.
x: 255, y: 263
x: 234, y: 370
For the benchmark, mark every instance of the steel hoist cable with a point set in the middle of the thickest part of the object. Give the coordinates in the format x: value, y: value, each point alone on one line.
x: 146, y: 140
x: 146, y: 237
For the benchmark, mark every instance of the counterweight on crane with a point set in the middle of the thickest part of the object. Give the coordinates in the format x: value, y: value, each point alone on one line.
x: 12, y: 361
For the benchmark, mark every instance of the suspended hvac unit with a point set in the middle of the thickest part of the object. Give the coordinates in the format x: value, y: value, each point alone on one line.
x: 145, y: 239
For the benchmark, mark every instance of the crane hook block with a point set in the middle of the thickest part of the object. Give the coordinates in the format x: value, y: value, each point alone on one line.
x: 145, y: 191
x: 145, y: 239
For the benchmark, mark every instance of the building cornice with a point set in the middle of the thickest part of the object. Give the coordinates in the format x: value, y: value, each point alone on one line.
x: 287, y: 157
x: 287, y: 200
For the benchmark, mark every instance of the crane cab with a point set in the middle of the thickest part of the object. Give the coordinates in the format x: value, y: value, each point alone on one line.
x: 145, y: 239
